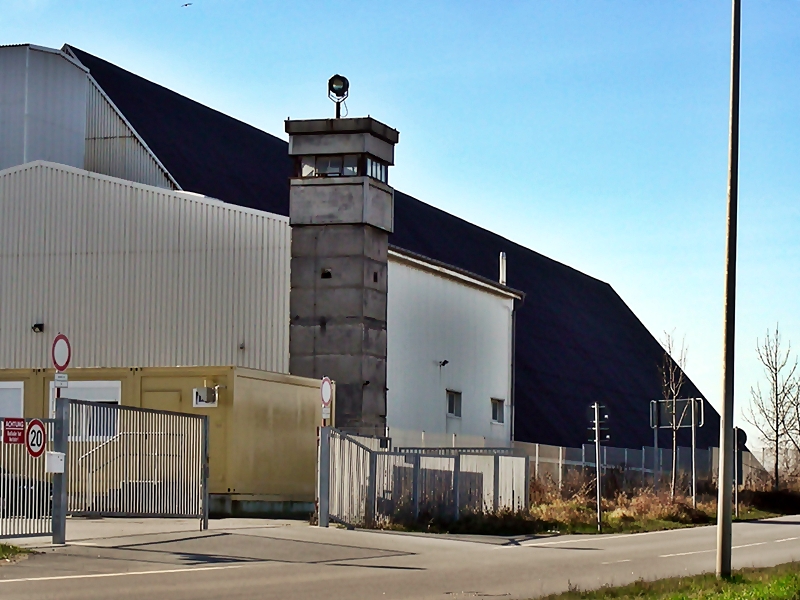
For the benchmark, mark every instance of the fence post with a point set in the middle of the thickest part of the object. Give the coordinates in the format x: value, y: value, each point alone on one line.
x: 61, y: 444
x: 415, y: 485
x: 205, y: 470
x: 527, y: 482
x: 644, y: 481
x: 324, y: 486
x: 372, y: 488
x: 496, y: 484
x: 456, y: 481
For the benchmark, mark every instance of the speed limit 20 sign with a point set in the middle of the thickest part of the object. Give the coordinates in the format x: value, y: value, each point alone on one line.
x: 35, y: 438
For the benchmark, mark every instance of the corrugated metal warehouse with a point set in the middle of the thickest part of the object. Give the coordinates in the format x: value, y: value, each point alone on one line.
x: 137, y: 275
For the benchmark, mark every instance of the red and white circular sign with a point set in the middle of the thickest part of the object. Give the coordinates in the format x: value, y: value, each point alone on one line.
x: 326, y: 391
x: 35, y: 438
x: 62, y: 352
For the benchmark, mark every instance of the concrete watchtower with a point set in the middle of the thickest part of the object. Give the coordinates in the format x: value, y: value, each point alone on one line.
x: 341, y: 210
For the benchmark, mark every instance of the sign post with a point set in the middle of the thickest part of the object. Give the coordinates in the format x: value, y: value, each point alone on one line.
x: 326, y: 394
x: 61, y: 354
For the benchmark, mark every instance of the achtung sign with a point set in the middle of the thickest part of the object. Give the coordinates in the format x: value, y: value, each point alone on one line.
x: 13, y: 431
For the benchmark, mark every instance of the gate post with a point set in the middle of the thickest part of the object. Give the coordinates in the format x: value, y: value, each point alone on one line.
x: 496, y: 484
x: 61, y: 444
x: 204, y: 517
x: 372, y: 489
x: 323, y: 505
x: 415, y: 485
x: 456, y: 486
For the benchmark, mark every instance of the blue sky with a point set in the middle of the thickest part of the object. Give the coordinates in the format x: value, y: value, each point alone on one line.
x: 594, y: 132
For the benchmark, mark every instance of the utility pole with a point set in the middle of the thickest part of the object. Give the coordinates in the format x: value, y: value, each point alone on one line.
x: 598, y: 429
x: 694, y: 452
x: 724, y: 500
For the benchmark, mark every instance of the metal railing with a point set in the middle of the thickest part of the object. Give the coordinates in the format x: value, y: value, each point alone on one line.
x: 363, y: 486
x: 26, y: 491
x: 135, y: 462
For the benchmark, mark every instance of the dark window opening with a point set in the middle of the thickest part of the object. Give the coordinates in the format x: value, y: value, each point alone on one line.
x: 326, y: 274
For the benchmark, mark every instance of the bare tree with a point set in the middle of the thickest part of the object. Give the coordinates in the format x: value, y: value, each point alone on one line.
x: 672, y: 380
x: 775, y: 413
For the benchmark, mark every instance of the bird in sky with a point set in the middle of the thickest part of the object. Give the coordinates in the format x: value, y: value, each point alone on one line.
x: 187, y: 4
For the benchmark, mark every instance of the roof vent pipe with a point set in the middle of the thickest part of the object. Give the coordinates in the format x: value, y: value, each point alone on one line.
x: 502, y: 268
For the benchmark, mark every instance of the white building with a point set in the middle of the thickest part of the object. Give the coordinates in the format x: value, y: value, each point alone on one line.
x: 450, y: 338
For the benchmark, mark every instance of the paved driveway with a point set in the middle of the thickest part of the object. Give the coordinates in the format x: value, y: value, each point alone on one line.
x: 284, y: 559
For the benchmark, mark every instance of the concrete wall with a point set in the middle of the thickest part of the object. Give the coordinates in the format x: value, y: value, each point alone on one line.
x: 436, y: 315
x: 262, y: 434
x: 138, y: 276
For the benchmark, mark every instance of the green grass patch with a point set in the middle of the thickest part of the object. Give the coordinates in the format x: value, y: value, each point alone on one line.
x: 7, y: 552
x: 773, y: 583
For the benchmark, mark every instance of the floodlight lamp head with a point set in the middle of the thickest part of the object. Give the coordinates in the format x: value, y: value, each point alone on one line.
x: 338, y: 87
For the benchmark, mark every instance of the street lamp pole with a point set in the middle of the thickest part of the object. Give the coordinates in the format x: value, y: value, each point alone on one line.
x: 725, y: 477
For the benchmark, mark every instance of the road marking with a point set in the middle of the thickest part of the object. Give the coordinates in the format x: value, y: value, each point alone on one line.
x: 614, y: 562
x: 785, y: 540
x: 749, y: 545
x: 685, y: 553
x: 589, y: 538
x: 99, y: 575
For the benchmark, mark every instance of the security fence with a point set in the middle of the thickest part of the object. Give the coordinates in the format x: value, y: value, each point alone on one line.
x: 628, y: 468
x: 25, y: 489
x: 136, y: 462
x: 364, y: 483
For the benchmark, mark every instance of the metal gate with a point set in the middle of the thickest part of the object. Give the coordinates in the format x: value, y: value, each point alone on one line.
x: 26, y: 491
x: 362, y: 484
x: 136, y: 462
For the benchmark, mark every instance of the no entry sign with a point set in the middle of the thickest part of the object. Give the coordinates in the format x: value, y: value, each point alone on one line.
x: 62, y: 352
x: 13, y: 431
x: 36, y: 438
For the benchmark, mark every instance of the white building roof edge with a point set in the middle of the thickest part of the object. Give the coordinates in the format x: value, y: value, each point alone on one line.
x: 437, y: 268
x: 143, y: 186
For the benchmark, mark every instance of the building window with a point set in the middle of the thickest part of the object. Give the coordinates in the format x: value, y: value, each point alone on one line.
x: 12, y: 395
x: 377, y: 170
x: 91, y: 422
x: 339, y: 165
x: 498, y: 411
x: 453, y: 404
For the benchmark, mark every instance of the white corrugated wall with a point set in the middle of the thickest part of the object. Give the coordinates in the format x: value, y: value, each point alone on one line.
x: 432, y: 318
x: 113, y: 148
x: 138, y: 276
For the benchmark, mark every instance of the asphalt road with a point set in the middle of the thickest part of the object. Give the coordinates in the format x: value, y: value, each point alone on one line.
x: 279, y: 559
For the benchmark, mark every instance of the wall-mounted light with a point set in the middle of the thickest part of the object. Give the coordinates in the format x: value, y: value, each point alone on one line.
x: 37, y: 328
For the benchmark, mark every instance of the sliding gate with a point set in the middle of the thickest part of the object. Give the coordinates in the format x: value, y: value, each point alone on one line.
x: 136, y: 462
x: 25, y: 488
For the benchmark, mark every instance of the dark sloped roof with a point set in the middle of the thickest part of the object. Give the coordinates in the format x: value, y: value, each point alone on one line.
x: 577, y: 341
